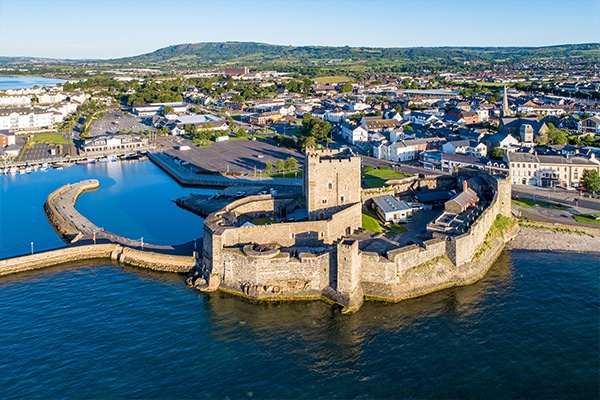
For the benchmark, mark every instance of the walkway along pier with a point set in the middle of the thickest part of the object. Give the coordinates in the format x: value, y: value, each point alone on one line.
x: 114, y: 252
x: 72, y: 226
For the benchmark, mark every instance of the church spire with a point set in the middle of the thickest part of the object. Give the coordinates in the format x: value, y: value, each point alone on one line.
x: 505, y: 108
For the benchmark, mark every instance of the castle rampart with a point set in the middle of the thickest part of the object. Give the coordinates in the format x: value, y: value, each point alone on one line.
x: 341, y: 272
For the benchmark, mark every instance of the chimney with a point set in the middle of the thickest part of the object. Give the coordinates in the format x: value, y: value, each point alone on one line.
x: 465, y: 186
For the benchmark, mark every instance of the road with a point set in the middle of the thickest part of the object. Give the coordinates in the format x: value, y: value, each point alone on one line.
x: 570, y: 198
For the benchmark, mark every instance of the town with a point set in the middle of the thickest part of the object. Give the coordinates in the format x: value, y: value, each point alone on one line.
x: 492, y: 120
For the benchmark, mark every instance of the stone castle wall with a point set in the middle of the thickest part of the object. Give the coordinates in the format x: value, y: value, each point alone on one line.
x: 343, y: 273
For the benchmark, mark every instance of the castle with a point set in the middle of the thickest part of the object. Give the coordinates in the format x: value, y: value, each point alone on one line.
x: 311, y: 250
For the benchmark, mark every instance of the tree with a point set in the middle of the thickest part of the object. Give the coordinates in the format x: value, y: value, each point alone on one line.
x: 556, y: 136
x: 280, y: 165
x: 496, y: 153
x: 167, y: 110
x: 591, y: 180
x: 347, y: 88
x: 268, y: 166
x: 290, y: 163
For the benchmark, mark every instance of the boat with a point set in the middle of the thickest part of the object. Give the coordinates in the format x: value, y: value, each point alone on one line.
x: 13, y: 170
x: 86, y: 161
x: 44, y: 167
x: 28, y: 169
x: 107, y: 159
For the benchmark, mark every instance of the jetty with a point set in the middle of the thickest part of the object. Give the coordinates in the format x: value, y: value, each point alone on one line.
x: 73, y: 227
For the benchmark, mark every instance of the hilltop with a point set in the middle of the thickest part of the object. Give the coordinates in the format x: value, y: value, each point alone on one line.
x: 358, y: 59
x: 326, y: 59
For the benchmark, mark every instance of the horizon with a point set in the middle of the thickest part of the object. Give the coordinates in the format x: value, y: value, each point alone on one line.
x: 112, y: 29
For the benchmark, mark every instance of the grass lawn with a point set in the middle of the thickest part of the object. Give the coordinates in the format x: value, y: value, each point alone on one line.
x: 528, y: 203
x: 371, y: 224
x: 587, y: 218
x: 56, y: 138
x: 288, y: 174
x: 374, y: 178
x: 263, y: 221
x: 325, y: 80
x: 395, y: 229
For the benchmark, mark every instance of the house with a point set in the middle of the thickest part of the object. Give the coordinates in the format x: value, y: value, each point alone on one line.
x: 353, y: 133
x: 500, y: 140
x: 420, y: 118
x: 468, y: 147
x: 469, y: 117
x: 6, y: 138
x: 590, y: 125
x: 377, y: 124
x: 11, y: 151
x: 404, y: 150
x: 264, y: 118
x: 390, y: 209
x: 450, y: 162
x: 462, y: 201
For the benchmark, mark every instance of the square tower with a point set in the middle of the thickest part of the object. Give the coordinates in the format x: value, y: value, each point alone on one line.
x: 331, y: 181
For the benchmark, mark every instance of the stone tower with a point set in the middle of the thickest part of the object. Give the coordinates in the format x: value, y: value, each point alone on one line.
x: 331, y: 181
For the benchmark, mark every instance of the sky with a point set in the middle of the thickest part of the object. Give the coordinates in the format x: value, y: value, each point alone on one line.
x: 104, y: 29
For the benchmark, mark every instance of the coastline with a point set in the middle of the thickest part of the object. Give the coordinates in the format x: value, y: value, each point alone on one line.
x: 535, y: 236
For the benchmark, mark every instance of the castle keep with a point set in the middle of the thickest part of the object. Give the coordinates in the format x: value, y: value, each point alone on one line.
x: 319, y: 256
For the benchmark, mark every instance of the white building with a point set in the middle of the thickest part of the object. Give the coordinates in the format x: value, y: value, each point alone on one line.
x: 467, y: 147
x: 112, y: 143
x: 15, y: 101
x: 354, y: 134
x: 390, y: 209
x: 25, y: 118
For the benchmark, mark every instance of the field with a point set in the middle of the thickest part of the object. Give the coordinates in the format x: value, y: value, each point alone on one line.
x: 371, y: 224
x: 327, y: 80
x: 376, y: 177
x: 593, y: 219
x: 528, y: 203
x: 55, y: 138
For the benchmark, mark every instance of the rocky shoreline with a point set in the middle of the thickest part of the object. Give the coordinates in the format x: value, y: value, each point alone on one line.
x: 543, y: 238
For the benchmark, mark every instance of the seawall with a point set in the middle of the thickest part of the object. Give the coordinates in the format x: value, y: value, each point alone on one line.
x: 115, y: 252
x: 187, y: 178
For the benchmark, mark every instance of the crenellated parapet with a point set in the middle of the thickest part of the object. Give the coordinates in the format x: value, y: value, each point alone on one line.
x: 271, y: 262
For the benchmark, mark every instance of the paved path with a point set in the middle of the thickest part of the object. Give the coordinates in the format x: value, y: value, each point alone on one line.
x: 64, y: 204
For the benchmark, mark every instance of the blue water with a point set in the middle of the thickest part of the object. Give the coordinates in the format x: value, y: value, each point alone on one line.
x: 24, y: 82
x: 135, y: 199
x: 529, y: 329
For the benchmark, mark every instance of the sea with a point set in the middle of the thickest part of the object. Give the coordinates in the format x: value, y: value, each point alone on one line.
x: 24, y: 82
x: 99, y: 330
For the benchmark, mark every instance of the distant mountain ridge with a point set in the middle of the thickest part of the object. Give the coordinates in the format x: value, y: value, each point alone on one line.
x: 263, y: 56
x: 254, y: 54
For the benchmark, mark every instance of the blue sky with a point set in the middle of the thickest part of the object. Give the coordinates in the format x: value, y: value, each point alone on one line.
x: 119, y: 28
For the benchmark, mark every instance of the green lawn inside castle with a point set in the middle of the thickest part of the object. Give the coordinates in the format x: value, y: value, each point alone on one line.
x: 318, y: 249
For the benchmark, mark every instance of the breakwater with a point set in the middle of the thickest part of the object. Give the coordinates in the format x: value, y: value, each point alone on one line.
x: 114, y: 252
x: 61, y: 212
x: 72, y: 226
